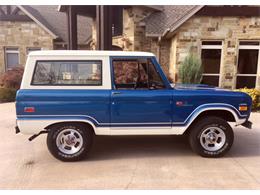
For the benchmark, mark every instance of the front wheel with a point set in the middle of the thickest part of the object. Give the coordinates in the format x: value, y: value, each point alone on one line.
x: 211, y: 137
x: 69, y: 141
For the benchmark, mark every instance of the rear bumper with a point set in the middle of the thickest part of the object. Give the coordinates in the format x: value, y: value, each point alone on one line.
x: 17, y: 130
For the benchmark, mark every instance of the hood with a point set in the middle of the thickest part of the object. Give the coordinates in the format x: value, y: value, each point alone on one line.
x: 197, y: 87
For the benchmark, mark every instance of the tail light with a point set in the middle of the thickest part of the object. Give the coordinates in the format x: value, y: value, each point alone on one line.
x: 29, y: 109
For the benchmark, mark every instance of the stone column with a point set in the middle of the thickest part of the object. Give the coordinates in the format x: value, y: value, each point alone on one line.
x: 228, y: 64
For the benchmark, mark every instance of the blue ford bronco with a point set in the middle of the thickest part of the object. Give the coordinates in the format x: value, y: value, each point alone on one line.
x: 74, y: 95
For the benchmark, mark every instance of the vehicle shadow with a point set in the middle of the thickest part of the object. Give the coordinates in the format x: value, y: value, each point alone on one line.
x: 119, y: 147
x: 246, y: 143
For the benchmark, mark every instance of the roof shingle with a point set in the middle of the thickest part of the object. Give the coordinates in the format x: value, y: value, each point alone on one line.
x: 56, y: 22
x: 159, y: 22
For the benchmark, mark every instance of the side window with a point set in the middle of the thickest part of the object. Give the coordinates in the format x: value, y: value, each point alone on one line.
x: 67, y: 73
x: 136, y: 74
x: 12, y: 57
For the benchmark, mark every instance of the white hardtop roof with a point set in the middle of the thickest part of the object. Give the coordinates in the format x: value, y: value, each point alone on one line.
x: 87, y: 53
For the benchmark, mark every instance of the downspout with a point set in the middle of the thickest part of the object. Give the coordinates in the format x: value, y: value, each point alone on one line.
x: 159, y: 42
x: 165, y: 32
x: 159, y: 48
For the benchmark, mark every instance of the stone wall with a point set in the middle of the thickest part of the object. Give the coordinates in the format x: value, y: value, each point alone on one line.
x: 230, y: 30
x: 164, y: 55
x: 134, y: 39
x: 22, y: 35
x: 133, y: 36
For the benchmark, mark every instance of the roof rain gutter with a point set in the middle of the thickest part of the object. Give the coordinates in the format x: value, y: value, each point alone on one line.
x: 166, y: 32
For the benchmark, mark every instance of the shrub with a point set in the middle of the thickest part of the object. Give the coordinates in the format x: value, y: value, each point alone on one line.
x: 12, y: 78
x: 190, y: 71
x: 7, y: 94
x: 255, y: 95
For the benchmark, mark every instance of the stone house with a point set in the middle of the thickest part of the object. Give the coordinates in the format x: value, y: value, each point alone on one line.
x: 29, y: 28
x: 227, y: 38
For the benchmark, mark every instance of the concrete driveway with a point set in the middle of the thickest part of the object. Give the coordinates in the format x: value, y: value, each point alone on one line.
x: 144, y: 162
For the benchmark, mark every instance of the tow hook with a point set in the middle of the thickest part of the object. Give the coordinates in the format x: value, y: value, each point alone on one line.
x: 36, y: 135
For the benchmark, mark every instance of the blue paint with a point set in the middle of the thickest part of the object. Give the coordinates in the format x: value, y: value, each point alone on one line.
x: 95, y: 103
x: 135, y: 107
x: 142, y: 106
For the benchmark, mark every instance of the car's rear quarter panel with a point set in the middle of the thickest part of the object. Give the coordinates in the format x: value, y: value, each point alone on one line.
x: 93, y: 103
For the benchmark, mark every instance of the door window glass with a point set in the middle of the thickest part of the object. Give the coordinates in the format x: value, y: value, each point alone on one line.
x: 136, y: 74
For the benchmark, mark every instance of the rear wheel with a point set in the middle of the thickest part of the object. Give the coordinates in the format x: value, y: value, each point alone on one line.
x: 69, y: 141
x: 211, y: 137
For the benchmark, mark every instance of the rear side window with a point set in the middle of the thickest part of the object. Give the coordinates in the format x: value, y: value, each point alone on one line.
x: 67, y: 73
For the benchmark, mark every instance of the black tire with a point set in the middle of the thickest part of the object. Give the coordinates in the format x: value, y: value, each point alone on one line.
x: 82, y: 130
x: 200, y: 144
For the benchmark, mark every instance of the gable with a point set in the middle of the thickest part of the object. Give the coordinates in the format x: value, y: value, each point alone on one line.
x: 12, y: 13
x: 164, y: 23
x: 20, y: 14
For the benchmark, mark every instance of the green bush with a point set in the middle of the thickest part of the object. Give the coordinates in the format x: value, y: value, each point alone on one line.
x: 255, y: 95
x: 7, y: 94
x: 190, y: 71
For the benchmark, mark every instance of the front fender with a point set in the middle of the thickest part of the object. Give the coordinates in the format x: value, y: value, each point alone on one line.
x: 183, y: 126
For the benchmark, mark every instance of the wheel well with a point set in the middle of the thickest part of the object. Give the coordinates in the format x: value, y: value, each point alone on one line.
x: 224, y: 114
x: 66, y: 122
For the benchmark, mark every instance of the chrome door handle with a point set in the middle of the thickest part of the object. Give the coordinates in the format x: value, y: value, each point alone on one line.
x: 116, y: 93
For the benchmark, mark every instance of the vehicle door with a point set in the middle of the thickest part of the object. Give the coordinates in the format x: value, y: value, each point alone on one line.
x: 140, y: 97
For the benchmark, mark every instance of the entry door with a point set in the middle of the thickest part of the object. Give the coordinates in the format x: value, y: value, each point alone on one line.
x: 140, y: 97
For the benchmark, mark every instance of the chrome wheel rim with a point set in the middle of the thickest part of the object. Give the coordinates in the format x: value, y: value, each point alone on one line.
x: 212, y: 139
x: 69, y: 141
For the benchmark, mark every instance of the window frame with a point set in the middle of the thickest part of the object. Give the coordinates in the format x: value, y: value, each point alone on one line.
x: 248, y: 47
x: 6, y: 51
x: 135, y: 58
x: 212, y: 47
x: 67, y: 85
